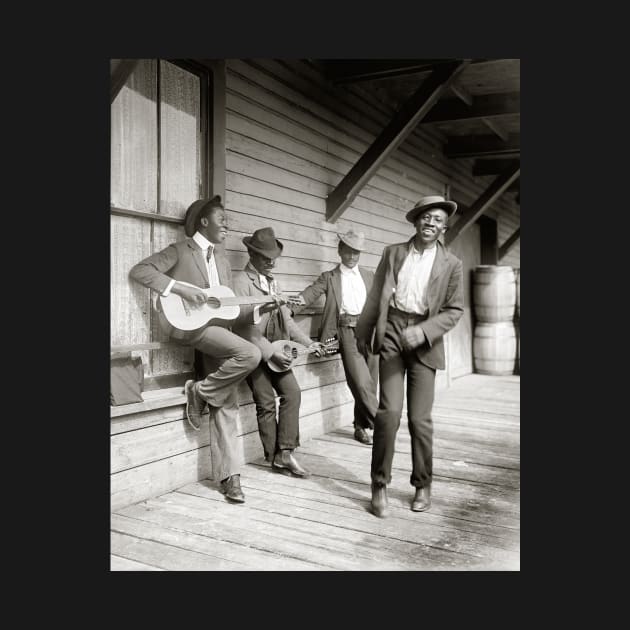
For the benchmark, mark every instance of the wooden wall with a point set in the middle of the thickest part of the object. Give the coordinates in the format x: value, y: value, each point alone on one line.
x: 154, y: 450
x: 291, y: 138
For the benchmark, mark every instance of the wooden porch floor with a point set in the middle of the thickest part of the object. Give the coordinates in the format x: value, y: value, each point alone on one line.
x: 324, y: 523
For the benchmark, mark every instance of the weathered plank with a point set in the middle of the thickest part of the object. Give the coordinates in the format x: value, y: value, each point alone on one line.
x: 168, y: 557
x: 419, y: 531
x: 117, y: 563
x: 171, y: 529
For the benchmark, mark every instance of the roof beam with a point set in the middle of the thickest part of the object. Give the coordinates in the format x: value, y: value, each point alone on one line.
x: 492, y: 167
x: 354, y: 70
x: 495, y: 190
x: 480, y: 107
x: 477, y: 146
x: 119, y: 71
x: 507, y: 246
x: 402, y: 124
x: 461, y: 92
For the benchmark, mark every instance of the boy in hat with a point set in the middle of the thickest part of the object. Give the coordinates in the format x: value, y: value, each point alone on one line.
x: 279, y: 434
x: 346, y: 287
x: 196, y: 260
x: 416, y: 298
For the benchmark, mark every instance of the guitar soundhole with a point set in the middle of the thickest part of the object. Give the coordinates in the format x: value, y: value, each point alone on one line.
x: 294, y: 353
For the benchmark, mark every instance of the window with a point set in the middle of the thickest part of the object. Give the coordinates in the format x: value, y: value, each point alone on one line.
x: 161, y: 156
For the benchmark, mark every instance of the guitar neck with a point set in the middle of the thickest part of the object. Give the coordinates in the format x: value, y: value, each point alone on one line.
x: 244, y: 299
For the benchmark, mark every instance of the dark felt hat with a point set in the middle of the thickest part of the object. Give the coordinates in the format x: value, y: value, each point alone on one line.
x: 431, y: 201
x: 195, y: 209
x: 264, y: 242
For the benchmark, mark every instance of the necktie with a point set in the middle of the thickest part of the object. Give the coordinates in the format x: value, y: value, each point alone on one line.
x: 209, y: 253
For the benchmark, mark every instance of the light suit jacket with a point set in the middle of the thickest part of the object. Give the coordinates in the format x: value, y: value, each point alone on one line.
x: 247, y: 282
x: 445, y: 296
x: 185, y: 261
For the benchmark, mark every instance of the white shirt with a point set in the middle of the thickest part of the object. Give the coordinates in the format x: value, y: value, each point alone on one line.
x: 352, y: 290
x: 413, y: 281
x: 211, y: 265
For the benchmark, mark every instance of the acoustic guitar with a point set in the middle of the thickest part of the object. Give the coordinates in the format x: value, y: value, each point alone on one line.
x: 294, y: 350
x: 221, y: 304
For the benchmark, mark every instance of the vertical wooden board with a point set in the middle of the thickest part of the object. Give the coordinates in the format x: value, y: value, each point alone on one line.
x: 467, y: 249
x: 130, y: 301
x: 134, y: 141
x: 180, y: 139
x: 167, y: 360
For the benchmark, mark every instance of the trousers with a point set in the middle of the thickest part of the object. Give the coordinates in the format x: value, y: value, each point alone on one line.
x: 394, y: 364
x: 361, y: 376
x: 229, y: 359
x: 281, y: 432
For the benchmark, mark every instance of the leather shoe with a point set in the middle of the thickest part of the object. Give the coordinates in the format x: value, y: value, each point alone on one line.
x: 231, y: 488
x: 379, y: 500
x: 361, y: 435
x: 194, y: 405
x: 284, y: 460
x: 422, y: 500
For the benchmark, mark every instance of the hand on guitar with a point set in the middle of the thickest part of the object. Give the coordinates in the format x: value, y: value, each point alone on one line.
x: 194, y: 295
x: 317, y: 348
x: 282, y: 359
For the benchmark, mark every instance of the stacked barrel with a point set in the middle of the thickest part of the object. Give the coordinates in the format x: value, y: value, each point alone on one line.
x: 494, y: 299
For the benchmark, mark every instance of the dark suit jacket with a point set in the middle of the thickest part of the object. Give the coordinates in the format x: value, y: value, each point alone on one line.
x: 183, y: 260
x: 330, y: 283
x: 247, y: 282
x: 445, y: 296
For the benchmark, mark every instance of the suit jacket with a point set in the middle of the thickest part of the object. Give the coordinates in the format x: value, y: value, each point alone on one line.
x: 183, y: 260
x: 329, y: 283
x: 445, y: 296
x: 247, y: 282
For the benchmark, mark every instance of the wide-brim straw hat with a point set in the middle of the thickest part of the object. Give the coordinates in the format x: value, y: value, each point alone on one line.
x: 431, y: 201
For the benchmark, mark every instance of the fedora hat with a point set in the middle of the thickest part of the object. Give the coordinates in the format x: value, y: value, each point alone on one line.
x: 431, y: 201
x: 195, y: 208
x: 353, y: 239
x: 264, y: 242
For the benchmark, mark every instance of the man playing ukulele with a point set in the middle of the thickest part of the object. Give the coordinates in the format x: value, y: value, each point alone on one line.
x: 279, y: 435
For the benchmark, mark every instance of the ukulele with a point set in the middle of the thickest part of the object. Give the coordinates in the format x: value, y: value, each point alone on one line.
x: 294, y: 350
x: 221, y: 304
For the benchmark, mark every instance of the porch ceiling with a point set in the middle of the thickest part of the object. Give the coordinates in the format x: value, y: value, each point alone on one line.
x: 478, y: 116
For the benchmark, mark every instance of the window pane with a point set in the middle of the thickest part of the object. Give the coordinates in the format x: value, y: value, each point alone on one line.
x: 180, y: 142
x: 134, y: 140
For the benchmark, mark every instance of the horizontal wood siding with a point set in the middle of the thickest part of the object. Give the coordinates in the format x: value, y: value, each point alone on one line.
x: 155, y: 451
x: 291, y: 137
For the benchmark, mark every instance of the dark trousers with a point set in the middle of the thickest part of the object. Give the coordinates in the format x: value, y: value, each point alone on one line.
x: 361, y: 376
x: 283, y: 433
x: 394, y: 363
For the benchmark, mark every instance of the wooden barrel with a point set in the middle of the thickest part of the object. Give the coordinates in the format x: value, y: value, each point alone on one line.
x: 494, y: 293
x: 494, y: 348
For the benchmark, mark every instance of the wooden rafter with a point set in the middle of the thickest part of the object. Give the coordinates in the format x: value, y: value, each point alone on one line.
x: 353, y: 70
x: 476, y: 146
x: 401, y: 125
x: 480, y: 107
x: 120, y: 69
x: 495, y: 190
x: 492, y: 166
x: 505, y: 248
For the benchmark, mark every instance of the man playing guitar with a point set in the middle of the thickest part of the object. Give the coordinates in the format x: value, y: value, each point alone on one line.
x: 279, y: 435
x: 195, y: 261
